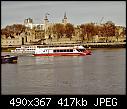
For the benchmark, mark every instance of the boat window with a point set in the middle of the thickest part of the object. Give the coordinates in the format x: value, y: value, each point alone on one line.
x: 78, y: 50
x: 64, y: 50
x: 71, y: 50
x: 68, y: 50
x: 57, y: 50
x: 61, y: 50
x: 54, y: 51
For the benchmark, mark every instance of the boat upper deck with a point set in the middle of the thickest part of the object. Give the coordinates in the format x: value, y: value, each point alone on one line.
x: 60, y: 47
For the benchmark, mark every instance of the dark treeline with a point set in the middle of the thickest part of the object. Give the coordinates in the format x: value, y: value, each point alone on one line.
x: 16, y: 29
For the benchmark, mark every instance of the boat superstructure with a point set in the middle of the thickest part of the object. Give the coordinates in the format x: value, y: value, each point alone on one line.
x: 25, y: 49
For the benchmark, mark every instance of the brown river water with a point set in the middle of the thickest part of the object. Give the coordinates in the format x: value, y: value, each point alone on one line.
x: 103, y: 72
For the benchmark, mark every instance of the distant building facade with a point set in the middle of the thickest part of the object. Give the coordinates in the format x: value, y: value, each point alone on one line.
x: 37, y: 32
x: 17, y: 40
x: 29, y: 23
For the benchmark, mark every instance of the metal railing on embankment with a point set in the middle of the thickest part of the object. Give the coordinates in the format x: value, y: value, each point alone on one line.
x: 92, y: 45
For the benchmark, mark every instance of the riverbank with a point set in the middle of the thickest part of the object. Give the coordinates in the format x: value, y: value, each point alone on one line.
x: 86, y: 45
x: 106, y: 45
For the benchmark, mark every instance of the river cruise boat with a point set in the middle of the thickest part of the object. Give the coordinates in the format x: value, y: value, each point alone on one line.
x: 62, y: 51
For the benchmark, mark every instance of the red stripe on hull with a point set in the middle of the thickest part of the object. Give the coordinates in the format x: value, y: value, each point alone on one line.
x: 61, y: 54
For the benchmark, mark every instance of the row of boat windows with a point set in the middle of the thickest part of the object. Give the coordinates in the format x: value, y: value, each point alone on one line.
x: 64, y: 50
x: 80, y: 50
x: 69, y: 50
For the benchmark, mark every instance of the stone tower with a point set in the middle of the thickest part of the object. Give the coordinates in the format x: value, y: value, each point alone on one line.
x: 28, y: 23
x: 46, y: 26
x: 45, y: 20
x: 65, y: 19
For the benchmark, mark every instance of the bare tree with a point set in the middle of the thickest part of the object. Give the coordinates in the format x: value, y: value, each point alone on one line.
x: 15, y: 28
x: 58, y: 29
x: 88, y: 30
x: 69, y: 30
x: 108, y: 30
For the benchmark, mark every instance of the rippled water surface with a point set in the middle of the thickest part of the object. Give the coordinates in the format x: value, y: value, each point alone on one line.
x: 103, y: 72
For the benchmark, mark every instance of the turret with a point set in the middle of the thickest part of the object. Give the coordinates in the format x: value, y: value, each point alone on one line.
x: 65, y: 19
x: 28, y: 21
x: 45, y: 20
x: 46, y: 25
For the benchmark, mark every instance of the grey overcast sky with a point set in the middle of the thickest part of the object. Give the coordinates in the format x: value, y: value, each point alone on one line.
x: 78, y: 12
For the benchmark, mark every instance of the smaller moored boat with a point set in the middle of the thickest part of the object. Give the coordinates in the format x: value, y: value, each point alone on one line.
x: 9, y: 59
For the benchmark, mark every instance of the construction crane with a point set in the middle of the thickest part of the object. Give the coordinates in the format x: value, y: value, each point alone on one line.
x: 99, y: 22
x: 101, y: 19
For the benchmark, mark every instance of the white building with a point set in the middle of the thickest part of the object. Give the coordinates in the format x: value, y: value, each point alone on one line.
x: 29, y: 23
